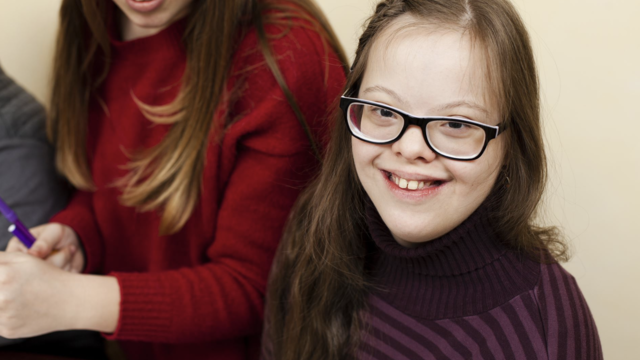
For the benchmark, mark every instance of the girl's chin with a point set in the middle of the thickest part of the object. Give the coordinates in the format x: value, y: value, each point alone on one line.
x: 414, y: 240
x: 404, y: 232
x: 413, y: 228
x: 409, y: 244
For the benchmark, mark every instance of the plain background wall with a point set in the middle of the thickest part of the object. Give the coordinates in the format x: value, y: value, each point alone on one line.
x: 588, y: 53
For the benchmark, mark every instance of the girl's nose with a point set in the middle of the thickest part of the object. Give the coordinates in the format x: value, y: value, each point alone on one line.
x: 412, y: 146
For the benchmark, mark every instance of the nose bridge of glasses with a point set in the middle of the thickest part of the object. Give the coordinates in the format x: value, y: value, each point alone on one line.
x: 413, y: 140
x: 418, y: 122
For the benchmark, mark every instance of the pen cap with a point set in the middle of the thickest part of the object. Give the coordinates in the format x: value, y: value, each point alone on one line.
x: 7, y: 212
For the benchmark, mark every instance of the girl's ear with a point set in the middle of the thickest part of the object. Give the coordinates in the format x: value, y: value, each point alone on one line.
x: 507, y: 181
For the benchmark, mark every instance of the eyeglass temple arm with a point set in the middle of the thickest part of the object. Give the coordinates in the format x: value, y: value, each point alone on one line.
x: 502, y: 127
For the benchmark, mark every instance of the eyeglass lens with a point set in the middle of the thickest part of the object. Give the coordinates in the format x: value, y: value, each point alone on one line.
x: 449, y: 137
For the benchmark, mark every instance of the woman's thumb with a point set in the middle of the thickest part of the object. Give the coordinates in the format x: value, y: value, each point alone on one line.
x: 46, y: 238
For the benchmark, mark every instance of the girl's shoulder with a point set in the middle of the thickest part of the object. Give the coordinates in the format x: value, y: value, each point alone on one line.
x: 295, y: 36
x: 557, y: 287
x: 568, y: 324
x: 549, y: 321
x: 310, y: 69
x: 296, y: 42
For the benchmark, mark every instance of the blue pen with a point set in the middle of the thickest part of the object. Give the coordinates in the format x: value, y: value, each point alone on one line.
x: 17, y: 228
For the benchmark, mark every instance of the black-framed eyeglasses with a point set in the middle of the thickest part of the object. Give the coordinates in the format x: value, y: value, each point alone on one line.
x: 451, y: 137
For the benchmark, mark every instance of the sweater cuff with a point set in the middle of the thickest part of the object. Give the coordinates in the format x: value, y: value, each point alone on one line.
x: 145, y: 308
x: 82, y: 222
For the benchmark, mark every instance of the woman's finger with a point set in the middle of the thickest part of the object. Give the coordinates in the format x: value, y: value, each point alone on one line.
x: 47, y: 237
x: 16, y: 245
x: 77, y: 262
x: 62, y: 258
x: 37, y: 230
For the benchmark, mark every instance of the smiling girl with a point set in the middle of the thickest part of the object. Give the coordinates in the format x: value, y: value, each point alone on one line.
x: 419, y: 240
x: 189, y: 129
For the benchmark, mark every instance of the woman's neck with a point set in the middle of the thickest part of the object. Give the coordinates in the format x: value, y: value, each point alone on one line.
x: 129, y: 30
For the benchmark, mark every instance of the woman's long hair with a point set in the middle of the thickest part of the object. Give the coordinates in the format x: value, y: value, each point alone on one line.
x: 318, y: 286
x: 168, y: 176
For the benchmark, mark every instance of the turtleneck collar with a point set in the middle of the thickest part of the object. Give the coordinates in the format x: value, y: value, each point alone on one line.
x: 465, y: 272
x: 468, y: 247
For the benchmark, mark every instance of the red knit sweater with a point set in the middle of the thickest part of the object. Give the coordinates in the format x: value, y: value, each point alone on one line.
x: 198, y: 294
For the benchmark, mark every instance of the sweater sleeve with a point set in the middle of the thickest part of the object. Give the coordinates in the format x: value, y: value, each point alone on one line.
x: 268, y: 160
x: 569, y: 327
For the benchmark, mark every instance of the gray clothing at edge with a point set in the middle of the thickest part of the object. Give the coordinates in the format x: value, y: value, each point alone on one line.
x: 28, y: 179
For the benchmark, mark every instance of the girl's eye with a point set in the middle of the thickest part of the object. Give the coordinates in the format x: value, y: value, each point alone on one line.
x: 384, y: 112
x: 456, y: 125
x: 455, y: 130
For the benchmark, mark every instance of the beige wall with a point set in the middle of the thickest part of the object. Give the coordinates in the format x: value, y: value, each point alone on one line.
x: 27, y: 36
x: 589, y: 54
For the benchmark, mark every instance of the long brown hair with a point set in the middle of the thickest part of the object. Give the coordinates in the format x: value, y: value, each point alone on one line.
x: 167, y: 176
x: 319, y: 283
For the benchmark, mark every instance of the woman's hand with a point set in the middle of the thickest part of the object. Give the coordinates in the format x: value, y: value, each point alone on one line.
x: 37, y: 298
x: 34, y: 296
x: 56, y: 243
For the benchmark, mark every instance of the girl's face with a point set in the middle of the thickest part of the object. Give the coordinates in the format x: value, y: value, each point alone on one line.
x: 426, y: 71
x: 147, y: 17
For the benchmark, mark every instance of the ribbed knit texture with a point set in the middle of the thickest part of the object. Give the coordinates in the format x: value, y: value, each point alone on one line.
x: 198, y: 294
x: 464, y: 296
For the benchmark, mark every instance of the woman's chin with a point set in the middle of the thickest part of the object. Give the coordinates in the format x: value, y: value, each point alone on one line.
x: 412, y: 239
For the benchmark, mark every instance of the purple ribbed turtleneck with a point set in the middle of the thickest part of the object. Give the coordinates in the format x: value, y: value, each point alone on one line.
x: 465, y: 296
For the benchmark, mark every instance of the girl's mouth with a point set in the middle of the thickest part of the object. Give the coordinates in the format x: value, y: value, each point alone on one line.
x: 144, y: 5
x: 412, y: 184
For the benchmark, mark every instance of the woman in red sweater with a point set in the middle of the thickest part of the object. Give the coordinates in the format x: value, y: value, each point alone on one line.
x: 188, y: 128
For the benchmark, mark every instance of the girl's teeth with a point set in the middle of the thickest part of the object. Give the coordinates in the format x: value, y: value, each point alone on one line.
x: 410, y: 184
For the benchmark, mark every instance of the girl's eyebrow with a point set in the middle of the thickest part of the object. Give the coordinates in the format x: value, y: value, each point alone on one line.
x: 464, y: 103
x: 385, y: 90
x: 449, y: 106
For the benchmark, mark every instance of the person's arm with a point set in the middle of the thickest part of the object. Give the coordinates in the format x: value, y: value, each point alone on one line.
x: 222, y: 299
x: 38, y: 298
